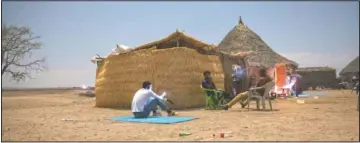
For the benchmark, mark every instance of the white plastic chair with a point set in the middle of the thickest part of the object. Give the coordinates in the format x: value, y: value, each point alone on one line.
x: 252, y: 94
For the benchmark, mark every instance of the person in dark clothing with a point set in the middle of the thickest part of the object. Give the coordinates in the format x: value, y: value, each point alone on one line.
x: 208, y: 83
x: 242, y: 97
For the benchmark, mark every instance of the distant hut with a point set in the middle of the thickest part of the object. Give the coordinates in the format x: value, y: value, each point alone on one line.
x: 324, y: 77
x: 174, y: 65
x: 243, y: 40
x: 350, y: 70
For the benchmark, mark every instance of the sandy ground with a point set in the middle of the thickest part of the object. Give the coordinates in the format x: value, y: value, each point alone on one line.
x: 37, y: 116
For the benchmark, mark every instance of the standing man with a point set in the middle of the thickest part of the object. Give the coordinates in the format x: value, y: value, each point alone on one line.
x: 145, y: 101
x: 238, y: 79
x: 295, y: 83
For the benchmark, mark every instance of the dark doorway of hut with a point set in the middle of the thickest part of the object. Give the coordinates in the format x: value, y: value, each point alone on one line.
x: 227, y: 62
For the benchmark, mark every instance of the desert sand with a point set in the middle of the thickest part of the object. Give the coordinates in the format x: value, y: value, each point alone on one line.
x: 64, y: 116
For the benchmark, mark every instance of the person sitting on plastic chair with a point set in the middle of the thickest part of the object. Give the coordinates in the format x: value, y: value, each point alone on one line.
x: 242, y: 97
x: 213, y: 95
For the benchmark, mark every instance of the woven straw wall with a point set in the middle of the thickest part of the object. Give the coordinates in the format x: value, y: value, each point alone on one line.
x: 177, y: 71
x: 312, y: 79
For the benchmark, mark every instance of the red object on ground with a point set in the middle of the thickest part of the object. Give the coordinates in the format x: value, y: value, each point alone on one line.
x: 222, y: 135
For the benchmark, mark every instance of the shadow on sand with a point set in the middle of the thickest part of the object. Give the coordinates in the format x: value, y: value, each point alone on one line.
x: 254, y: 110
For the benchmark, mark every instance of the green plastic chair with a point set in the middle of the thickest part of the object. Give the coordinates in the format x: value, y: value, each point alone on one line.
x: 212, y: 102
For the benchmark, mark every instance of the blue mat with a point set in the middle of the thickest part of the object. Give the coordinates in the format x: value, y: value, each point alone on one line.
x: 312, y: 94
x: 154, y: 119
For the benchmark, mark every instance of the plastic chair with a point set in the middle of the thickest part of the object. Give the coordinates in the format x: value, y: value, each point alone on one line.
x: 213, y: 101
x: 252, y: 94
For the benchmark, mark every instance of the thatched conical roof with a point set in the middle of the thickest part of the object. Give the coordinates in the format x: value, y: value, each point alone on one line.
x: 242, y: 39
x: 352, y: 67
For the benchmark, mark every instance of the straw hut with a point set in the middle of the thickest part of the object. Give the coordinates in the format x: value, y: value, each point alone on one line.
x: 241, y: 40
x: 352, y: 69
x: 324, y: 77
x: 174, y: 65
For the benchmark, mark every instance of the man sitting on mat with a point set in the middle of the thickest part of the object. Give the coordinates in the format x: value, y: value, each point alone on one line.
x: 242, y: 97
x: 146, y: 101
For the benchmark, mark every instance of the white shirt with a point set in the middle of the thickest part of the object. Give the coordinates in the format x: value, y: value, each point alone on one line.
x: 287, y: 80
x: 290, y: 85
x: 239, y: 71
x: 293, y: 81
x: 141, y: 98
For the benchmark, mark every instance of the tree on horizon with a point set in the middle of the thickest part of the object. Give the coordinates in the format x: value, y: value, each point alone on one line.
x: 17, y: 46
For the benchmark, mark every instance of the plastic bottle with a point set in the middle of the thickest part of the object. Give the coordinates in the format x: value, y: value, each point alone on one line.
x: 181, y: 134
x: 225, y: 134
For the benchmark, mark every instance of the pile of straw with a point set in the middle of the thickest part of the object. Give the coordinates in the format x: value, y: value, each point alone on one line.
x: 177, y: 71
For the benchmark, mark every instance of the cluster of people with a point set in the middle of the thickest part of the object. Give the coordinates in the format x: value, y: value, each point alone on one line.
x: 146, y: 101
x: 240, y: 94
x: 351, y: 84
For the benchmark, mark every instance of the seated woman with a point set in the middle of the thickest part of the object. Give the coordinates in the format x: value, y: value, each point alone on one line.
x: 242, y: 97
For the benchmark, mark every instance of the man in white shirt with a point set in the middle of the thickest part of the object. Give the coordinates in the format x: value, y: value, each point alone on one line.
x: 145, y: 101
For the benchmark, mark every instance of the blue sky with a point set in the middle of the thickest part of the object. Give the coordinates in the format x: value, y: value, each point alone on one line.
x: 310, y: 33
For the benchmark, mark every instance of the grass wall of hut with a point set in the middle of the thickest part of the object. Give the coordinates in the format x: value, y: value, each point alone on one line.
x: 318, y: 77
x: 177, y: 71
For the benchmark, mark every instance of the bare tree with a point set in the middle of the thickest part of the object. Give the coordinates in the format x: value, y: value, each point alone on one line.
x: 17, y: 45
